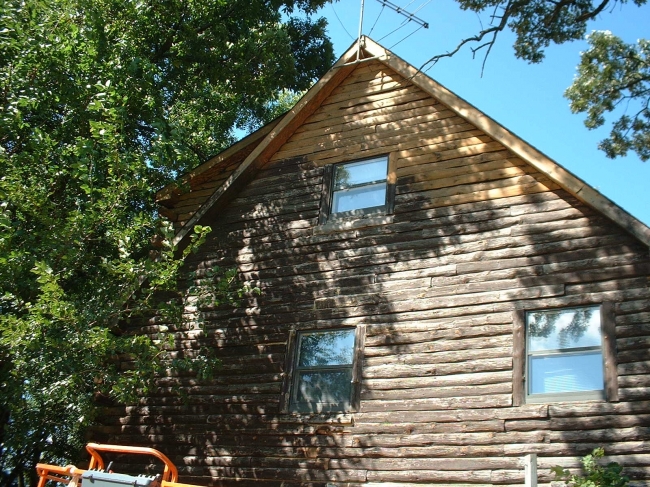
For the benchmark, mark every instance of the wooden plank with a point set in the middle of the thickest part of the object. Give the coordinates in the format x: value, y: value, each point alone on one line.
x: 429, y: 476
x: 457, y: 439
x: 436, y: 392
x: 530, y: 411
x: 572, y: 449
x: 407, y: 98
x: 629, y: 381
x: 363, y: 92
x: 518, y: 357
x: 462, y: 179
x: 287, y: 376
x: 507, y: 190
x: 322, y: 149
x: 426, y: 107
x: 456, y: 169
x: 608, y: 327
x: 439, y: 464
x: 340, y: 131
x: 425, y: 370
x: 421, y: 343
x: 357, y: 373
x: 599, y: 422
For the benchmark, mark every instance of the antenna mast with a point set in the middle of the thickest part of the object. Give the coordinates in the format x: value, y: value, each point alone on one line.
x: 360, y: 29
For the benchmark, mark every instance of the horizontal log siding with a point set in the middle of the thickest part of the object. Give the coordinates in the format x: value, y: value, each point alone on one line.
x: 476, y: 234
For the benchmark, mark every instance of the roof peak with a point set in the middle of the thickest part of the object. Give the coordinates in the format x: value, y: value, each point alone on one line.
x: 364, y: 50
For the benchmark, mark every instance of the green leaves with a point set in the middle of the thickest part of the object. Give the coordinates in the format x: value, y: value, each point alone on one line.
x: 101, y: 104
x: 615, y: 77
x: 612, y: 76
x: 594, y: 474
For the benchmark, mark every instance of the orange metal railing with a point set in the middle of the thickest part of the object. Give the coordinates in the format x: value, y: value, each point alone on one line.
x: 71, y: 474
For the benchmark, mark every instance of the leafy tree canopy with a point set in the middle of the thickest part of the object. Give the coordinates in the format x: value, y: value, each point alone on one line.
x: 611, y: 75
x: 103, y: 102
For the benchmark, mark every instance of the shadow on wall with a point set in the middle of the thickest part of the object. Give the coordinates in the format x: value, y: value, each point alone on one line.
x: 435, y: 289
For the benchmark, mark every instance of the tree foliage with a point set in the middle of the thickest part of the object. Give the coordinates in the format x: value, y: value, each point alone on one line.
x: 594, y: 474
x: 615, y: 75
x: 103, y: 102
x: 536, y: 24
x: 611, y: 73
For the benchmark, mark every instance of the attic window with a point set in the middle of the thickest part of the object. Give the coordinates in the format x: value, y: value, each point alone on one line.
x: 357, y: 189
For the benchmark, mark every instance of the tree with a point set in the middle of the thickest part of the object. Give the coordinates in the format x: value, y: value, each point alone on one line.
x: 610, y: 75
x: 101, y: 103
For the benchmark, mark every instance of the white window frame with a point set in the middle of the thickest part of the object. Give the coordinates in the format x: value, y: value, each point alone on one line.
x: 327, y: 199
x: 521, y: 359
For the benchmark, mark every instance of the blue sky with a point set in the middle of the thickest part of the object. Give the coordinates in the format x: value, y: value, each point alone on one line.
x: 527, y: 99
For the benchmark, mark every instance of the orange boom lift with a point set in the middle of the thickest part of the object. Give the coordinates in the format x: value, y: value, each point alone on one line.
x: 98, y: 475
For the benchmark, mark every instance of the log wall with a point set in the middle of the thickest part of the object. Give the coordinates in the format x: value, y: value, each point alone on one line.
x: 476, y: 234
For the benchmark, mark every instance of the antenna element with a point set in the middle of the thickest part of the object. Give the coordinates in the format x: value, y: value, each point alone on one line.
x: 401, y: 11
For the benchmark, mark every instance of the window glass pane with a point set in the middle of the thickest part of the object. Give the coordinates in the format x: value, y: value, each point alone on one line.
x: 359, y: 197
x: 354, y: 173
x: 332, y: 386
x: 562, y: 329
x: 326, y: 348
x: 566, y: 373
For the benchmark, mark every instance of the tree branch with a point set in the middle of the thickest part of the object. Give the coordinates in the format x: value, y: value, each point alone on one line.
x: 590, y: 15
x: 556, y: 11
x: 507, y: 12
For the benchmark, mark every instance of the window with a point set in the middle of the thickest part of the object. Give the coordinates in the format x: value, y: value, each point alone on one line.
x: 324, y: 370
x: 357, y: 188
x: 359, y: 185
x: 568, y: 354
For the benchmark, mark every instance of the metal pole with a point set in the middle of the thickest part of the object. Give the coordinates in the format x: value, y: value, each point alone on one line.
x: 530, y: 470
x: 360, y: 28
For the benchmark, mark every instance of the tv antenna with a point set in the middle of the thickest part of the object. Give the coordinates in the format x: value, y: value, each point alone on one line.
x: 401, y: 11
x: 386, y: 3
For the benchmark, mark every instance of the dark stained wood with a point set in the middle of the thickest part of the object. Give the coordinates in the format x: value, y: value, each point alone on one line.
x: 285, y: 398
x: 357, y: 372
x: 518, y: 357
x: 326, y: 195
x: 608, y: 324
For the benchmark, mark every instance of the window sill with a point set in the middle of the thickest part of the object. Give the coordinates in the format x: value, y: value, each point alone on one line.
x: 598, y: 396
x: 353, y: 224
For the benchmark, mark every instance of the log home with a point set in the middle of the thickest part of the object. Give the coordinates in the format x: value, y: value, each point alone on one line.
x: 438, y: 300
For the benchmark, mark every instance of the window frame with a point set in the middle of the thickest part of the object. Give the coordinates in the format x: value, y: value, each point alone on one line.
x: 609, y: 392
x: 327, y: 195
x: 291, y: 375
